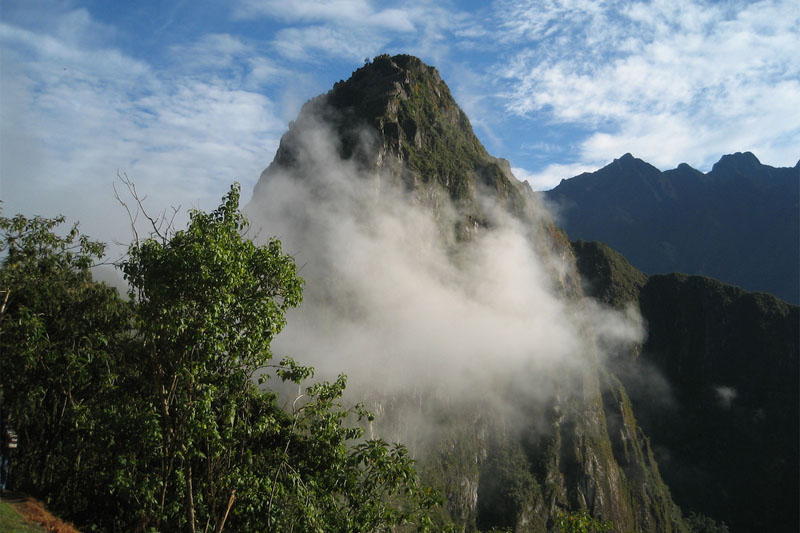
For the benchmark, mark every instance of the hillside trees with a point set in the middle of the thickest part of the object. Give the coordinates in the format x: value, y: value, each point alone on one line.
x: 60, y: 333
x: 182, y: 437
x: 209, y: 303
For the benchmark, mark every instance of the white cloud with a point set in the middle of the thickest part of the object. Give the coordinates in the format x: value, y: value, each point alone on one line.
x: 211, y: 51
x: 304, y: 43
x: 51, y: 56
x: 355, y: 29
x: 669, y: 81
x: 389, y: 299
x: 552, y: 175
x: 75, y: 113
x: 725, y: 396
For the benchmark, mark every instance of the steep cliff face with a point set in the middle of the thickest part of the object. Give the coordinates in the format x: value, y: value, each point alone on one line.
x: 716, y: 388
x: 550, y: 432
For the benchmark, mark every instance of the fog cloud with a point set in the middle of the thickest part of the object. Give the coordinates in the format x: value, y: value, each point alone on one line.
x: 393, y: 302
x: 725, y: 396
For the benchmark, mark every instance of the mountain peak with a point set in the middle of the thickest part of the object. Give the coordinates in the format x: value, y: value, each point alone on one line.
x: 737, y: 161
x: 402, y: 107
x: 396, y: 118
x: 374, y: 89
x: 629, y: 161
x: 631, y: 166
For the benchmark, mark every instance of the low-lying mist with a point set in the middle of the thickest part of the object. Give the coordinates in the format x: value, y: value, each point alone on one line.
x: 395, y: 303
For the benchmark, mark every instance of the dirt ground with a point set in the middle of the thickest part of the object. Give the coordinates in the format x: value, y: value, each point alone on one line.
x: 35, y: 512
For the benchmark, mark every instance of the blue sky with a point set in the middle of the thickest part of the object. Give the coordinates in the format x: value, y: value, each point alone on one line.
x: 186, y: 97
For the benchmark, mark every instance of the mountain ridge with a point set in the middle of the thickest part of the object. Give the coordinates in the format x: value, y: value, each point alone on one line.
x: 739, y: 222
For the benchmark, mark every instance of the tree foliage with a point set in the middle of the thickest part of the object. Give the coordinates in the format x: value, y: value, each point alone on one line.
x: 580, y: 522
x: 152, y: 410
x: 700, y: 523
x: 59, y: 336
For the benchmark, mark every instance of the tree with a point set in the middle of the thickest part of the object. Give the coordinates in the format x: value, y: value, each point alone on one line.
x: 209, y: 302
x: 580, y: 522
x: 149, y: 415
x: 700, y: 523
x: 60, y: 333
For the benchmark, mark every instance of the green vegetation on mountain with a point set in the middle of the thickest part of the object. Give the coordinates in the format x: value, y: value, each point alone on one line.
x: 611, y: 279
x: 144, y: 415
x: 715, y: 388
x: 396, y: 118
x: 420, y: 123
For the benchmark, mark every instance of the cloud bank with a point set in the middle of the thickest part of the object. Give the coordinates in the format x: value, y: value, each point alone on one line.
x: 74, y: 112
x: 393, y: 303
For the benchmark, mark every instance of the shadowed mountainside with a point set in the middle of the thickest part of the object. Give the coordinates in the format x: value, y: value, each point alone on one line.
x: 724, y: 422
x: 739, y: 223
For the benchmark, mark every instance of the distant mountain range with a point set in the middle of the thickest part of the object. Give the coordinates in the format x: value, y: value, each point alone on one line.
x: 739, y: 223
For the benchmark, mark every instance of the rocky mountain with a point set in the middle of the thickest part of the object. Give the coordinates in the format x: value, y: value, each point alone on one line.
x: 438, y: 282
x: 715, y: 386
x: 739, y: 223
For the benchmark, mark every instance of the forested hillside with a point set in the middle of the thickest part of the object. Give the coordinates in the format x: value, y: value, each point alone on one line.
x: 144, y: 414
x: 714, y: 386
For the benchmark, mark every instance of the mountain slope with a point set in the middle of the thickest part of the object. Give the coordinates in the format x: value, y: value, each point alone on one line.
x: 438, y: 282
x: 396, y: 119
x: 739, y: 223
x: 715, y: 386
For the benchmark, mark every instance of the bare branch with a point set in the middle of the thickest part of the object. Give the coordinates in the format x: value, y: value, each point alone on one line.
x: 131, y: 217
x: 161, y: 226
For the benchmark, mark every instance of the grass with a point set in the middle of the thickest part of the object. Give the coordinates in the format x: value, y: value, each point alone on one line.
x: 12, y: 522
